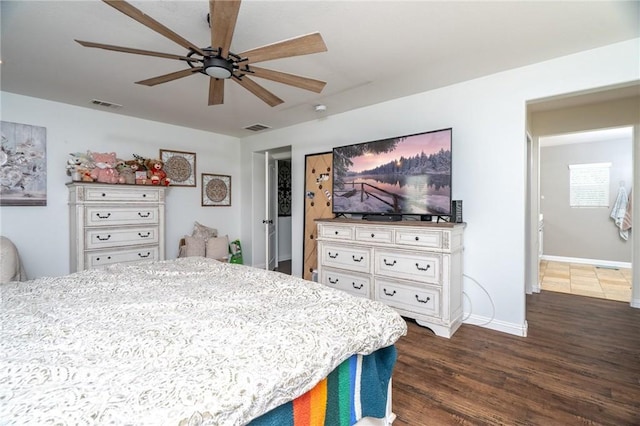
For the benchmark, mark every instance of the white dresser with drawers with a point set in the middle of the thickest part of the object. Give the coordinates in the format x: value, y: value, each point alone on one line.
x: 113, y: 223
x: 414, y: 267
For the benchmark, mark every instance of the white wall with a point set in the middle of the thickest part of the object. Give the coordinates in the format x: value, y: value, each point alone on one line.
x: 489, y: 162
x: 42, y: 233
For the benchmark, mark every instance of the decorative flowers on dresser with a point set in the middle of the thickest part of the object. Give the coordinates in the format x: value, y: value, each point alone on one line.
x: 106, y: 167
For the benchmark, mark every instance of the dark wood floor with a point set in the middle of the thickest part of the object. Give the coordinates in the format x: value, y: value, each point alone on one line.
x: 579, y: 365
x: 284, y: 266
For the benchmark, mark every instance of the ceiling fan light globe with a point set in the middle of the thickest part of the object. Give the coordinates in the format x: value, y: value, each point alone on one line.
x: 217, y: 72
x: 217, y: 67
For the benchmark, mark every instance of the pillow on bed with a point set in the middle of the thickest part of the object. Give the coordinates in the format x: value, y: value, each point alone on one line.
x: 217, y: 248
x: 194, y: 246
x: 204, y: 232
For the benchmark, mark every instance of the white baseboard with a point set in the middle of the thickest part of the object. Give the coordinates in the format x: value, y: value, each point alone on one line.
x: 493, y: 324
x: 635, y: 303
x: 597, y: 262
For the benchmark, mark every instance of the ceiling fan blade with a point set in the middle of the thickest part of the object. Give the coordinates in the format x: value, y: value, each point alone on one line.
x: 216, y: 91
x: 169, y: 77
x: 302, y: 45
x: 135, y: 51
x: 223, y: 15
x: 259, y: 91
x: 151, y: 23
x: 290, y: 79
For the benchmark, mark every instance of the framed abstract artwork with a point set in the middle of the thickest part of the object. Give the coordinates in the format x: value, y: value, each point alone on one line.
x: 179, y: 166
x: 23, y: 165
x: 216, y: 190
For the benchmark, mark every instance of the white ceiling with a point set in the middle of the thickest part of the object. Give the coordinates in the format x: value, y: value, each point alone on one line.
x: 377, y: 51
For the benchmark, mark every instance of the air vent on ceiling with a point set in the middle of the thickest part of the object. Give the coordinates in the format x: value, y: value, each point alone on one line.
x: 105, y: 104
x: 257, y: 127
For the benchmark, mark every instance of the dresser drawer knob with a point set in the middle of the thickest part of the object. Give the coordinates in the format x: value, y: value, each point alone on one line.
x: 145, y: 235
x: 144, y: 255
x: 357, y: 260
x: 336, y: 232
x: 417, y: 238
x: 144, y: 195
x: 104, y: 195
x: 422, y: 301
x: 98, y: 259
x: 373, y: 235
x: 103, y: 216
x: 103, y: 238
x: 389, y: 263
x: 147, y: 214
x: 387, y: 293
x: 333, y: 256
x: 356, y: 287
x: 332, y: 281
x: 423, y: 269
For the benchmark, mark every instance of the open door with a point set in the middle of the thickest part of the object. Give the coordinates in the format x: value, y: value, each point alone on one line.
x: 271, y: 212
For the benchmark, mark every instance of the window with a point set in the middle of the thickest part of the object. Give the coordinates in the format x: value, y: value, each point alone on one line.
x: 589, y: 185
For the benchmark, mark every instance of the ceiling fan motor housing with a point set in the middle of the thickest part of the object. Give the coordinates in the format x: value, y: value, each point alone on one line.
x: 217, y: 67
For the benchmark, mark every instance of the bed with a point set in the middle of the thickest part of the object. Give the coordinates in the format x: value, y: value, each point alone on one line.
x: 192, y: 341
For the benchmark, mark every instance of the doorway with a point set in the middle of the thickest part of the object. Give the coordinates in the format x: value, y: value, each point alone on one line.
x: 582, y: 175
x: 283, y: 184
x: 596, y: 109
x: 261, y: 193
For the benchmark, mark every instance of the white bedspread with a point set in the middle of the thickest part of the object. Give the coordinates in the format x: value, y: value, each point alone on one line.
x: 164, y: 341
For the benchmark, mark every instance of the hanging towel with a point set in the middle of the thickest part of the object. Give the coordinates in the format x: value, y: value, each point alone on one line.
x: 619, y: 210
x: 626, y: 222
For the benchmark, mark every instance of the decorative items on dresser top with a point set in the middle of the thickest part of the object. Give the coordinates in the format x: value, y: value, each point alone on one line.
x: 115, y: 223
x: 414, y: 267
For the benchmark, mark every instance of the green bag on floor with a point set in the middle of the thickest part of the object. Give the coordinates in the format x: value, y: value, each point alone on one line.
x: 236, y: 252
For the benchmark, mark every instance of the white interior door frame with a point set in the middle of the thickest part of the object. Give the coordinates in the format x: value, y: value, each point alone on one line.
x: 532, y: 282
x: 271, y: 212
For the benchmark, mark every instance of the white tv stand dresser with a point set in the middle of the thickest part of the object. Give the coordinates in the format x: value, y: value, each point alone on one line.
x: 414, y: 267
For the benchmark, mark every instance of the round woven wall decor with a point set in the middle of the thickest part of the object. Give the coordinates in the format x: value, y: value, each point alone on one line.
x: 177, y: 168
x: 216, y: 190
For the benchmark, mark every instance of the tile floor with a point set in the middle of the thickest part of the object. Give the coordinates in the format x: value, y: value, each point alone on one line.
x: 586, y: 280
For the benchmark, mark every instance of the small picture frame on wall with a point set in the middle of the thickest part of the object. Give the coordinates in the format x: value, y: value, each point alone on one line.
x: 216, y: 190
x: 179, y: 166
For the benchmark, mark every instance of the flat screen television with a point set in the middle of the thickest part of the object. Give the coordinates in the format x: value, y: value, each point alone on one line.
x: 406, y: 175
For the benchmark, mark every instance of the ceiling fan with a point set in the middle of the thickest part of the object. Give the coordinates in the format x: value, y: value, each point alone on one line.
x: 217, y: 61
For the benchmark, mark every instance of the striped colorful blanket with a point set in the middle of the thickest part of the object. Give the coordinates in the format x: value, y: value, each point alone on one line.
x: 356, y: 389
